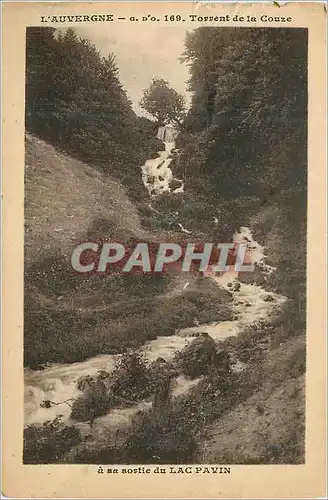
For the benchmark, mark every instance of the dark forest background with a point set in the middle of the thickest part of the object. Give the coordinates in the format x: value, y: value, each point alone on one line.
x: 246, y: 137
x: 242, y: 145
x: 75, y: 101
x: 242, y: 155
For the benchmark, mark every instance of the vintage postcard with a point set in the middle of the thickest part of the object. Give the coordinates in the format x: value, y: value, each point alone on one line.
x: 164, y: 250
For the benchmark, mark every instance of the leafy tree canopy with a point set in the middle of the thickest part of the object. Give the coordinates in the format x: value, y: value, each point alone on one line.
x: 75, y: 101
x: 163, y: 103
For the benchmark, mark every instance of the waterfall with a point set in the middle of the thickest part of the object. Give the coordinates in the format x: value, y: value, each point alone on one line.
x: 58, y: 381
x: 161, y: 134
x: 167, y: 133
x: 156, y: 173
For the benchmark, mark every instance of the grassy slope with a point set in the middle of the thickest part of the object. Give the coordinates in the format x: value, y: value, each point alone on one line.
x: 69, y: 318
x: 259, y: 420
x: 63, y: 197
x: 268, y: 426
x: 253, y: 417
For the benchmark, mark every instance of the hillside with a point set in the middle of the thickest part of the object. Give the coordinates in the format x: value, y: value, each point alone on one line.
x: 84, y: 109
x: 65, y: 198
x: 268, y: 427
x: 71, y: 317
x: 242, y: 157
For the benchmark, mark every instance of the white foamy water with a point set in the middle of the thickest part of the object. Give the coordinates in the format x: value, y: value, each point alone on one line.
x: 58, y: 382
x: 156, y: 173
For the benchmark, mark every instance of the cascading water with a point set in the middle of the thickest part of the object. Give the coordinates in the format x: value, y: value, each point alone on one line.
x: 167, y: 134
x: 156, y: 173
x: 58, y: 382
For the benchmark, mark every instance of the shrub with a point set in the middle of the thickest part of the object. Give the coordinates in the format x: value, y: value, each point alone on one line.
x: 92, y: 404
x: 46, y: 444
x: 130, y: 382
x: 159, y: 438
x: 256, y: 277
x: 131, y: 378
x: 252, y: 342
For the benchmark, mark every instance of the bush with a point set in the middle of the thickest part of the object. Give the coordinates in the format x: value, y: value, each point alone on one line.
x: 92, y: 404
x: 130, y: 382
x: 199, y: 359
x: 152, y: 223
x: 48, y: 443
x: 256, y: 277
x: 251, y: 343
x: 131, y: 378
x: 159, y: 438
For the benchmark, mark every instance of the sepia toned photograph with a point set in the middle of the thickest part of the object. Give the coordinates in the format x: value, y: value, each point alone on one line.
x: 165, y: 219
x: 164, y: 274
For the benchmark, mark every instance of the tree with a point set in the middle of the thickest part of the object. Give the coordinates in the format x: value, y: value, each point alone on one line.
x: 243, y: 144
x: 83, y: 108
x: 246, y: 117
x: 164, y: 103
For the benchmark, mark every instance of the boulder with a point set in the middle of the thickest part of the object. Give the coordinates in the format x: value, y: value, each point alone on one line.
x: 198, y: 357
x: 175, y: 184
x: 256, y: 277
x: 269, y: 298
x: 235, y: 286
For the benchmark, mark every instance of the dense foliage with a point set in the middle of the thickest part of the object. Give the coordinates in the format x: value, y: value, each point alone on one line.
x: 130, y: 382
x: 242, y: 155
x: 243, y: 143
x: 164, y: 103
x: 48, y: 443
x: 248, y: 109
x: 74, y: 100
